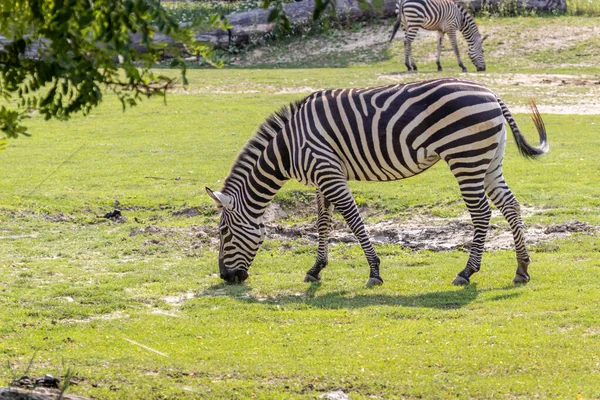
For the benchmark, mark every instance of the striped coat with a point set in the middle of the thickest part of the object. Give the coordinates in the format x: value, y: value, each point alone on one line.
x: 445, y: 17
x: 373, y: 134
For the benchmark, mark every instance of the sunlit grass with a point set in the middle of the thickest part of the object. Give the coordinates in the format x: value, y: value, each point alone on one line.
x: 137, y: 309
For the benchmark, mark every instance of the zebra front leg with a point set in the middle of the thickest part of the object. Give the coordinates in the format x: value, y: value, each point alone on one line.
x: 439, y: 50
x: 338, y: 193
x: 452, y: 37
x: 409, y: 36
x: 480, y: 211
x: 325, y: 212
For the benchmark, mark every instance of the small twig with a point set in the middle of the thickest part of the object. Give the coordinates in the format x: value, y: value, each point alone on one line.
x: 160, y: 178
x: 53, y: 172
x: 146, y: 347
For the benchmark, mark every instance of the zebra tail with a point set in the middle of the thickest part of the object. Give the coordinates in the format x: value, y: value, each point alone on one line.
x: 396, y: 26
x: 525, y: 148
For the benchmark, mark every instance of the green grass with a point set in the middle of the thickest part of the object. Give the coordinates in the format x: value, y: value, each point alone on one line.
x: 138, y: 311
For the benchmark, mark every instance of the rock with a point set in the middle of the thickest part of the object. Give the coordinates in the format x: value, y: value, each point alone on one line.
x: 36, y: 394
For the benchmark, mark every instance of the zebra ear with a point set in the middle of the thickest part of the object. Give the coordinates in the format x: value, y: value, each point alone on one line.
x: 483, y: 38
x: 220, y: 199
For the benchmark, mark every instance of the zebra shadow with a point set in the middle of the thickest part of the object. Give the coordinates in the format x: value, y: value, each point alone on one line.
x: 343, y: 299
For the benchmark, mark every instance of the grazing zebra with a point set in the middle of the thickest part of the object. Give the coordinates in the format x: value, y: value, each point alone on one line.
x: 374, y: 134
x: 445, y: 17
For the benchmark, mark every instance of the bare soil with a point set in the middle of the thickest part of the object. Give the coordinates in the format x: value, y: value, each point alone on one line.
x: 416, y: 233
x: 529, y: 41
x: 434, y: 235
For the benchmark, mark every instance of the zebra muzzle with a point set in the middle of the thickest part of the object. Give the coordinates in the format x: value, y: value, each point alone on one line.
x: 238, y: 275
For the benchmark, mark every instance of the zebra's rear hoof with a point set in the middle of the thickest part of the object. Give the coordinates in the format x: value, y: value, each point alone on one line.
x: 521, y: 278
x: 374, y: 282
x: 460, y: 281
x: 309, y: 278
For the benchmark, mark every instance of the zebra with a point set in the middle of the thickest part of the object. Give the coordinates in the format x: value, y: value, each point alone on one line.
x: 381, y: 133
x: 445, y: 17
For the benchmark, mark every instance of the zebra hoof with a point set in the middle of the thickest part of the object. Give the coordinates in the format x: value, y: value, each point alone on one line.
x: 460, y: 281
x: 521, y: 278
x: 374, y: 282
x: 309, y: 278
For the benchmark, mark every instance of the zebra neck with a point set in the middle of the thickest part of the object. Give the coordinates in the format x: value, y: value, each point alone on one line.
x: 253, y: 187
x: 469, y: 27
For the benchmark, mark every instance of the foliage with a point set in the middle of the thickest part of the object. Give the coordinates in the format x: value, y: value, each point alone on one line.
x: 589, y: 8
x: 185, y: 11
x: 58, y: 55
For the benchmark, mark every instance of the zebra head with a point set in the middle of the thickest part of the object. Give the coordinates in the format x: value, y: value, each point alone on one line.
x: 476, y: 51
x: 239, y: 238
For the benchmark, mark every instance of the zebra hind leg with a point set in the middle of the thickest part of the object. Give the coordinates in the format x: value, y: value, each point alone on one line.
x: 325, y: 212
x: 337, y: 191
x: 479, y: 208
x: 506, y: 202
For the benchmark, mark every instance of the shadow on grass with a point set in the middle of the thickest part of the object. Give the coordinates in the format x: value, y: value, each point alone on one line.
x: 444, y: 300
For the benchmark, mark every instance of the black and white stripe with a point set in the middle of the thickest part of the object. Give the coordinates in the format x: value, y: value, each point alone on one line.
x: 445, y: 17
x: 374, y: 134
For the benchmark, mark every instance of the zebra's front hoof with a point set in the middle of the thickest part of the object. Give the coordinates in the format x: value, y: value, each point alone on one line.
x: 460, y: 281
x: 310, y: 278
x: 521, y: 278
x: 465, y: 70
x: 374, y: 282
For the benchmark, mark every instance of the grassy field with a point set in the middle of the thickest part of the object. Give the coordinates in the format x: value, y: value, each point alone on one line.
x: 136, y: 307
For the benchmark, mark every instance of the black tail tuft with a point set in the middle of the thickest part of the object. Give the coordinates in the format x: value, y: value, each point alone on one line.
x: 396, y: 26
x: 525, y: 148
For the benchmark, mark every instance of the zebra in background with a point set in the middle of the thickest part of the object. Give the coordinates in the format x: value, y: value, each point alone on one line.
x: 374, y: 134
x: 445, y: 17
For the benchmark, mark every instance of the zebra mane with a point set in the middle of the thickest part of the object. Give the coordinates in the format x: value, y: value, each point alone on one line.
x: 266, y: 132
x: 468, y: 22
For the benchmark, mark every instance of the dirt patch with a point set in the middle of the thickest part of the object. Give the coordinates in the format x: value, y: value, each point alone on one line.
x: 186, y: 212
x: 360, y: 42
x: 417, y: 233
x: 570, y: 227
x: 178, y: 300
x: 104, y: 317
x: 148, y: 230
x: 58, y: 217
x: 437, y: 235
x: 557, y: 94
